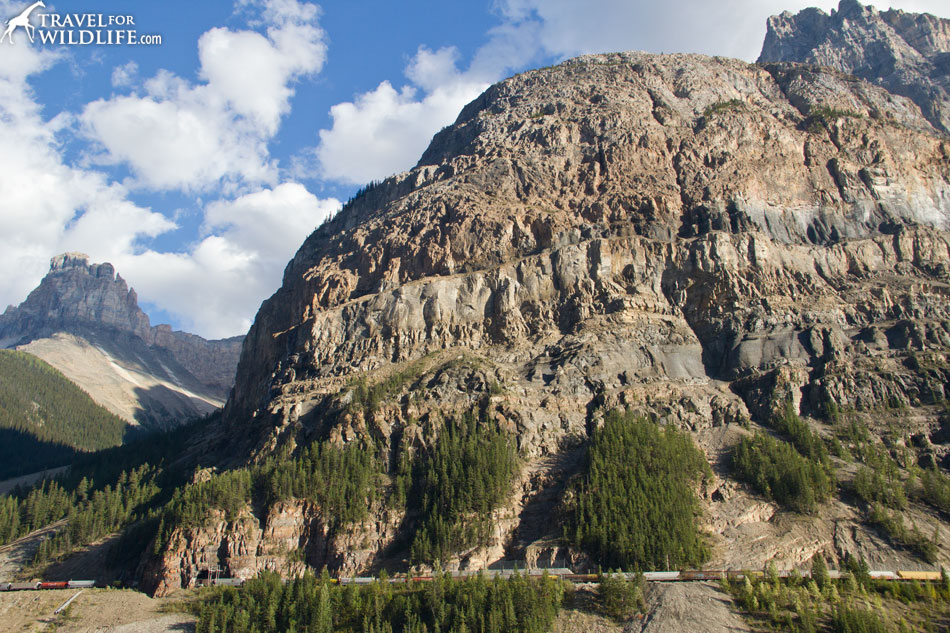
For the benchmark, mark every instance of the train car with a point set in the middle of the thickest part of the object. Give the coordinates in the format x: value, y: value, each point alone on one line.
x: 5, y: 586
x: 661, y: 576
x: 581, y: 577
x: 54, y: 584
x: 880, y: 574
x: 560, y: 572
x: 358, y: 580
x: 82, y: 584
x: 228, y: 582
x: 918, y: 575
x: 24, y: 586
x: 701, y: 574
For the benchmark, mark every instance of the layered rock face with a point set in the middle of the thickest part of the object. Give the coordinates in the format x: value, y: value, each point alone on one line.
x: 678, y: 235
x: 628, y: 220
x: 84, y: 320
x: 907, y: 53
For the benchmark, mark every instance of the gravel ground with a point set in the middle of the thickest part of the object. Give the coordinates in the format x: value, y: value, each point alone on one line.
x: 94, y: 611
x: 685, y: 607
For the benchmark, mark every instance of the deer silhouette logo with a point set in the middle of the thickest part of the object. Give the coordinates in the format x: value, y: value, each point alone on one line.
x: 22, y: 20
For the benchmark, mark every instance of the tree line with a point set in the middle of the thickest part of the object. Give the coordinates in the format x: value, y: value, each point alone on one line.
x: 796, y: 474
x: 454, y: 489
x: 316, y: 605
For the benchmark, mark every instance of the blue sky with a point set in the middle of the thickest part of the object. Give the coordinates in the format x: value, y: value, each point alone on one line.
x: 198, y: 165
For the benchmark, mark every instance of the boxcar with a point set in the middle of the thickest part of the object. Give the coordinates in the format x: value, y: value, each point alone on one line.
x: 229, y: 582
x: 699, y: 574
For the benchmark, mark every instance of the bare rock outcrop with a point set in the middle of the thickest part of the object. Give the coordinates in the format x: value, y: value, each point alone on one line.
x: 907, y: 53
x: 679, y: 235
x: 84, y: 320
x: 294, y: 536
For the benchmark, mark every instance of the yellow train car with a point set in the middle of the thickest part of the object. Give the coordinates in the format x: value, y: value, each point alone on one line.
x: 918, y: 575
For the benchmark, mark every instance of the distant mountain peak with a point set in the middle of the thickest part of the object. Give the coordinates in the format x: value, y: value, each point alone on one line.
x: 906, y: 53
x: 75, y: 293
x: 85, y: 320
x: 73, y: 259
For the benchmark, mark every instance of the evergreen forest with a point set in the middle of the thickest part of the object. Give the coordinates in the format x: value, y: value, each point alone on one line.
x: 635, y: 505
x: 45, y: 418
x: 316, y: 605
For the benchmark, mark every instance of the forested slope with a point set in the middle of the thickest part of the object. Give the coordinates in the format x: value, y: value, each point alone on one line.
x: 45, y: 418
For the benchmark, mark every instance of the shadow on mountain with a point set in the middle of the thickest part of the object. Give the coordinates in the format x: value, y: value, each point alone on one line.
x: 160, y: 409
x: 21, y: 454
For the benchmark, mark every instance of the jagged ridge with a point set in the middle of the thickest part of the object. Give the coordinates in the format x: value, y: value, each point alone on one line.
x: 84, y: 320
x: 907, y: 53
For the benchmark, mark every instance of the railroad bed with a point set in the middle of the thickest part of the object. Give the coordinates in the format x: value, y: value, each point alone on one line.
x: 560, y: 572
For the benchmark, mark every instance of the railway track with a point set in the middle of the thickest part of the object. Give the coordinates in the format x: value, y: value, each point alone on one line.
x: 562, y: 573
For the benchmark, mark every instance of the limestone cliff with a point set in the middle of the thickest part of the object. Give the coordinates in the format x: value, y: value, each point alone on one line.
x: 700, y: 240
x: 84, y: 320
x: 907, y: 53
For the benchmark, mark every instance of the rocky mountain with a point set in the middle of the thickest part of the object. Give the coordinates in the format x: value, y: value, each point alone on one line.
x: 84, y: 320
x: 702, y: 241
x: 907, y: 53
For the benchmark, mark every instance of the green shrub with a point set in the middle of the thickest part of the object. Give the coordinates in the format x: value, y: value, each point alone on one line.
x: 721, y: 106
x: 935, y: 489
x: 854, y: 620
x: 892, y: 524
x: 806, y: 441
x: 621, y: 599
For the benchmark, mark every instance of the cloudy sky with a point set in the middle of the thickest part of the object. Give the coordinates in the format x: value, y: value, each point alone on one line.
x: 198, y: 165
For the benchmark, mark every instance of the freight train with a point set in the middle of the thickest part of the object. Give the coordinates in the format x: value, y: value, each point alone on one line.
x: 692, y: 575
x: 47, y: 584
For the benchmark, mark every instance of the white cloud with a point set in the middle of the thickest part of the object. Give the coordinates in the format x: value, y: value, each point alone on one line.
x: 218, y: 285
x: 125, y: 75
x: 48, y: 206
x: 198, y: 137
x: 386, y: 130
x: 732, y: 28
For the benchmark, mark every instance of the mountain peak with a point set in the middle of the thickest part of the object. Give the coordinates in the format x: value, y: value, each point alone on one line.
x: 77, y: 294
x: 906, y: 53
x: 850, y: 8
x: 68, y: 260
x: 83, y: 314
x: 80, y: 261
